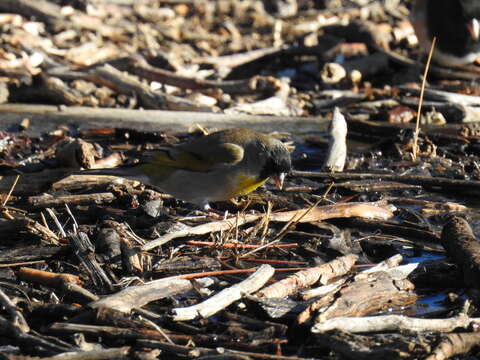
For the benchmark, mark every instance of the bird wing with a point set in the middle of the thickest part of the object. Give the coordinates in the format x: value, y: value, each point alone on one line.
x: 198, y: 158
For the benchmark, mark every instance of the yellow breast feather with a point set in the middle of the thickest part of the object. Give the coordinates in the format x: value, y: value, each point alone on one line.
x: 246, y: 184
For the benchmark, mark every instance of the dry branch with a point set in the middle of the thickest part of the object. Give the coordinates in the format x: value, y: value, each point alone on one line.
x: 109, y: 76
x: 367, y: 297
x: 322, y: 273
x: 23, y: 223
x: 208, y: 55
x: 217, y: 353
x: 366, y: 294
x: 148, y: 120
x: 257, y: 84
x: 47, y: 278
x: 40, y: 9
x: 76, y: 182
x: 367, y: 210
x: 47, y: 200
x: 445, y: 96
x: 65, y: 283
x: 18, y: 321
x: 394, y: 323
x: 322, y: 290
x: 201, y: 229
x: 225, y: 297
x: 454, y: 344
x: 137, y: 296
x: 463, y: 247
x: 427, y: 182
x: 85, y: 252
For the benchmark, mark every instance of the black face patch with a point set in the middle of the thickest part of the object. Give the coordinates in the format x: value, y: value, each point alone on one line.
x: 470, y: 9
x: 447, y: 20
x: 278, y: 162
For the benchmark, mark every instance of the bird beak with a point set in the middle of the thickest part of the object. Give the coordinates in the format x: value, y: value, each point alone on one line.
x: 473, y: 27
x: 279, y: 180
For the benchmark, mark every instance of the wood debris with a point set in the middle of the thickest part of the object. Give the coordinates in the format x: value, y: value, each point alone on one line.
x: 343, y: 264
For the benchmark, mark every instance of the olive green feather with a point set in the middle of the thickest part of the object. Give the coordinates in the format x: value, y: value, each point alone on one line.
x: 161, y: 163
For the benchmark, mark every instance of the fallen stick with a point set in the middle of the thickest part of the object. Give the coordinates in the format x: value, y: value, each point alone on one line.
x: 137, y: 296
x: 215, y: 353
x: 462, y: 246
x: 225, y: 297
x: 40, y: 9
x: 394, y: 323
x: 427, y: 182
x: 236, y: 245
x: 17, y: 319
x: 368, y: 210
x: 47, y: 278
x: 44, y: 118
x: 454, y: 344
x: 304, y: 278
x: 47, y: 200
x: 257, y: 84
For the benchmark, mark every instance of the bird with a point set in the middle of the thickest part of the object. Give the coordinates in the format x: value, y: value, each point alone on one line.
x: 215, y: 167
x: 456, y: 26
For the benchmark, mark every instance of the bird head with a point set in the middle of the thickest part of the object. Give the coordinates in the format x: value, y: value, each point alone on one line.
x: 278, y: 163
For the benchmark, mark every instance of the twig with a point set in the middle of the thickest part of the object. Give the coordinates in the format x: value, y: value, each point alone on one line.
x: 420, y: 103
x: 428, y: 182
x: 308, y: 277
x: 18, y: 320
x: 238, y: 245
x: 10, y: 191
x: 137, y: 296
x: 225, y: 297
x: 394, y: 323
